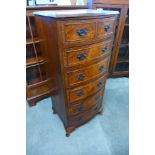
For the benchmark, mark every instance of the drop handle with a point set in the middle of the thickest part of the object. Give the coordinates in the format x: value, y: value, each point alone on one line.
x: 80, y: 76
x: 101, y: 68
x: 99, y: 84
x: 82, y: 32
x: 107, y: 27
x: 81, y: 56
x: 80, y: 93
x: 104, y: 49
x: 79, y: 108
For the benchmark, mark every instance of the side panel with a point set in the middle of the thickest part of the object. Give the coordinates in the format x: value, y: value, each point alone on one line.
x: 47, y: 29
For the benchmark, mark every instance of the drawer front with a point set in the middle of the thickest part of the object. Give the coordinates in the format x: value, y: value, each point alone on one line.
x: 38, y: 90
x: 79, y: 31
x: 86, y: 73
x: 83, y: 55
x: 82, y: 118
x: 86, y: 90
x: 86, y: 104
x: 105, y: 27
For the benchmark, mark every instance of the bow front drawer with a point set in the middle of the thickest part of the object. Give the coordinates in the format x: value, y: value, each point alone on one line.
x: 86, y: 104
x: 85, y: 54
x: 105, y: 27
x: 84, y: 117
x: 82, y: 92
x: 84, y: 74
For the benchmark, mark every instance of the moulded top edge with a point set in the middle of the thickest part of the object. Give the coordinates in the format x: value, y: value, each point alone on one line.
x: 75, y: 13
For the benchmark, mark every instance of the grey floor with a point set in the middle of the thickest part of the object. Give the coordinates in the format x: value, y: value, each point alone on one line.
x: 105, y: 134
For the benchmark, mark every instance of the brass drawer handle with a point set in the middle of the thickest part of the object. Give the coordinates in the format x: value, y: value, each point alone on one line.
x: 81, y: 56
x: 82, y: 32
x: 99, y: 84
x: 101, y: 68
x: 107, y: 27
x: 104, y: 49
x: 80, y: 76
x: 80, y: 93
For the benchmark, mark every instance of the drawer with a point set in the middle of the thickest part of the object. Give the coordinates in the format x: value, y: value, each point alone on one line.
x: 105, y: 27
x: 82, y: 118
x: 84, y: 74
x: 79, y: 30
x: 86, y: 90
x: 38, y: 90
x: 86, y: 104
x: 83, y: 55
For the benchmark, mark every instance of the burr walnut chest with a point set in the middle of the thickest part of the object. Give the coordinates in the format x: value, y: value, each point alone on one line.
x: 77, y: 45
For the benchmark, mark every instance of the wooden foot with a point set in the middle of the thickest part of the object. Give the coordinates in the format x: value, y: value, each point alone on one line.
x: 69, y: 130
x: 54, y: 112
x: 67, y: 134
x: 32, y: 103
x: 101, y: 111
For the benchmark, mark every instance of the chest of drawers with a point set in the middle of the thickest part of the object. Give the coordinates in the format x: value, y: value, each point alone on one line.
x: 78, y: 46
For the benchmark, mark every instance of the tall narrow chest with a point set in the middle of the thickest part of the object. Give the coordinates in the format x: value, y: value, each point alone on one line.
x: 77, y: 45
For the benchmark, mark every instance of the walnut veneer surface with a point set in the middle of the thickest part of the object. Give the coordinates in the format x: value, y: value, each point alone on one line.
x: 78, y: 47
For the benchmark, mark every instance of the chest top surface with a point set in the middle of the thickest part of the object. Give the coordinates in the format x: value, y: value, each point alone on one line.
x: 75, y: 13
